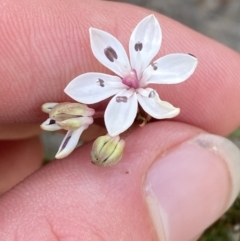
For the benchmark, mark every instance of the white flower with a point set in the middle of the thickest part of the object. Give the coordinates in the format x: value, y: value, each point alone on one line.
x: 73, y: 117
x: 129, y: 87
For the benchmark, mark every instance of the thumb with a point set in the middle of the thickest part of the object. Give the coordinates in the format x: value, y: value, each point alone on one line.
x: 171, y: 185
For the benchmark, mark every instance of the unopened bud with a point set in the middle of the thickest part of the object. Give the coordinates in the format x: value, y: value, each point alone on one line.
x: 67, y: 110
x: 107, y: 150
x: 75, y: 123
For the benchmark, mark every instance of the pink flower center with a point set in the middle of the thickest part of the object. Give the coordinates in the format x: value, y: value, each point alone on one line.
x: 131, y: 80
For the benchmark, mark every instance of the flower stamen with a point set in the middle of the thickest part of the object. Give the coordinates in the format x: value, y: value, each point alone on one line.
x: 100, y: 82
x: 121, y: 99
x: 138, y: 46
x: 65, y: 143
x: 154, y: 66
x: 152, y: 94
x: 110, y: 53
x: 192, y: 55
x: 51, y: 122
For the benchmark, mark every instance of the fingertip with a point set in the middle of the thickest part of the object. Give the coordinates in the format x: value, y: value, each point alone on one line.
x: 199, y: 185
x: 181, y: 173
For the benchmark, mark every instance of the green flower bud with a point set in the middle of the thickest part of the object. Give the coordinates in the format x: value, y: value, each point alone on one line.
x: 107, y: 150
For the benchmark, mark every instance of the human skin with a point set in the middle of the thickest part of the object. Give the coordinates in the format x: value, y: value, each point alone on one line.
x: 44, y: 45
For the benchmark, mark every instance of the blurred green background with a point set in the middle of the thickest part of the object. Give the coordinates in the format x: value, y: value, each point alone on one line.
x: 220, y: 20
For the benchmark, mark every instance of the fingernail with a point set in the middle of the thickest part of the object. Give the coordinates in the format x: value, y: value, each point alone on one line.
x: 190, y: 186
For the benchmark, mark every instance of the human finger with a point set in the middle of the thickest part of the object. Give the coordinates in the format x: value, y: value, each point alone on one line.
x: 18, y: 159
x: 170, y: 185
x: 19, y: 131
x: 45, y: 44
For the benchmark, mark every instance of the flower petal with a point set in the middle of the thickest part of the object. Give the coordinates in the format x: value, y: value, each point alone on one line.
x: 109, y: 51
x: 47, y: 107
x: 121, y: 112
x: 69, y: 142
x: 91, y: 88
x: 170, y: 69
x: 144, y: 43
x: 50, y: 125
x: 155, y: 107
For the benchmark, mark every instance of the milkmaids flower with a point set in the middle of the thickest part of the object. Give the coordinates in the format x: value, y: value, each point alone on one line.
x: 73, y: 117
x: 130, y: 86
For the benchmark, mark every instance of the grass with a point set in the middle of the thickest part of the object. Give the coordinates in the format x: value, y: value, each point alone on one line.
x: 227, y: 228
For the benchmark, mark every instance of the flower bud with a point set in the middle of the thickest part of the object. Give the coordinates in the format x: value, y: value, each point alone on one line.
x: 107, y: 150
x: 67, y: 116
x: 64, y: 111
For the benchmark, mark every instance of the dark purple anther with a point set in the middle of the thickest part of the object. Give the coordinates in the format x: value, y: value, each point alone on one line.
x: 110, y: 53
x: 138, y: 46
x: 152, y: 94
x: 51, y: 122
x: 100, y: 82
x: 121, y: 99
x: 65, y: 142
x: 192, y: 55
x: 154, y: 65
